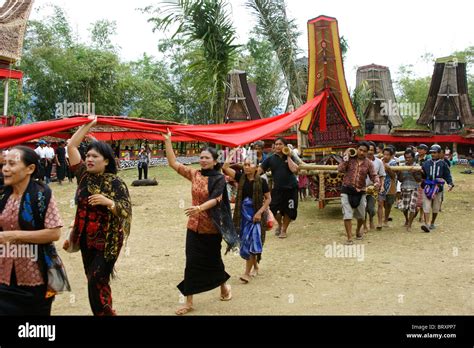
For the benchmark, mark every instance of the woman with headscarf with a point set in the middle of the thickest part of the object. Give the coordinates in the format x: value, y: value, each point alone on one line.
x: 250, y: 213
x: 210, y: 221
x: 103, y: 216
x: 29, y: 223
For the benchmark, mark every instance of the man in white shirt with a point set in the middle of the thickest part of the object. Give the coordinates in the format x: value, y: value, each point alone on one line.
x: 372, y: 193
x: 49, y: 158
x: 41, y: 151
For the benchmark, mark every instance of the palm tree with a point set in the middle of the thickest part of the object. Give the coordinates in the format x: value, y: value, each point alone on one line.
x: 206, y: 23
x: 283, y: 34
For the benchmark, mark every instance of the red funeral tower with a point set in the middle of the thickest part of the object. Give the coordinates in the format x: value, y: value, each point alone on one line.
x: 331, y: 125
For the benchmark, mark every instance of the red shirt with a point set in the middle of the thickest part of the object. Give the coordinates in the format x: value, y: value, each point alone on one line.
x: 356, y: 172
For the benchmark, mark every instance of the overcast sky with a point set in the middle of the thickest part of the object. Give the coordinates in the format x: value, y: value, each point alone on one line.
x: 388, y: 33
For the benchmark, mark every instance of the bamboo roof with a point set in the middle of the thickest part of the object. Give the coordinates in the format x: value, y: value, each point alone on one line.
x: 379, y: 82
x: 241, y: 102
x: 448, y: 98
x: 13, y: 18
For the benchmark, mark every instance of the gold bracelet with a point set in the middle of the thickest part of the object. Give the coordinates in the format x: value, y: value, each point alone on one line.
x: 199, y: 207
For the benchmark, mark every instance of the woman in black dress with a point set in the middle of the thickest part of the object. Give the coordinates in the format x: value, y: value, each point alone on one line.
x: 210, y: 221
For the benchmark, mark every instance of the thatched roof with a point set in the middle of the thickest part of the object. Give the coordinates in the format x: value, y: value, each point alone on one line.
x: 379, y: 83
x: 241, y: 101
x: 13, y: 17
x: 448, y: 102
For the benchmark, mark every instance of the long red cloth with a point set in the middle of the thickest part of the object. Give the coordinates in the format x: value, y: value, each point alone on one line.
x: 233, y: 134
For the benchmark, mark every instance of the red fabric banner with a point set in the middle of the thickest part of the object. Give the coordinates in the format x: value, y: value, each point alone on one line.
x: 233, y: 134
x: 11, y: 136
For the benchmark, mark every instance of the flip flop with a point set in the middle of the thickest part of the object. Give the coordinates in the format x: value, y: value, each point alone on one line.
x: 360, y: 237
x: 283, y: 235
x: 277, y: 231
x: 245, y: 279
x: 229, y: 294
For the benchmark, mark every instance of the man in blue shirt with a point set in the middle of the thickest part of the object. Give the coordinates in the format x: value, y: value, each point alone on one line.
x: 435, y: 174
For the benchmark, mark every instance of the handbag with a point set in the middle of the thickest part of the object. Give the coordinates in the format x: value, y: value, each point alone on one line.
x: 73, y: 247
x: 56, y: 272
x: 270, y: 219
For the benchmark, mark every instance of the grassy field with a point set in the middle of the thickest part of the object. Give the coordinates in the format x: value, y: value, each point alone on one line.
x: 399, y: 273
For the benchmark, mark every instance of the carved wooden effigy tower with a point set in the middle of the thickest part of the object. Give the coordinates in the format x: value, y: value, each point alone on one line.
x: 331, y: 125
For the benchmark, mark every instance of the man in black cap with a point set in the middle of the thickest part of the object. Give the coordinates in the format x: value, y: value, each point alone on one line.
x: 41, y: 151
x: 421, y: 155
x: 435, y: 174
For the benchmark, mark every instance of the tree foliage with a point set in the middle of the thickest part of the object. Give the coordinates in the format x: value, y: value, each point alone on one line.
x: 282, y: 32
x: 206, y: 23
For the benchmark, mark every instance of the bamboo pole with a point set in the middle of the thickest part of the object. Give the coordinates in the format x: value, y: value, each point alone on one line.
x: 5, y: 103
x: 317, y: 167
x: 317, y: 172
x: 403, y: 168
x: 331, y: 168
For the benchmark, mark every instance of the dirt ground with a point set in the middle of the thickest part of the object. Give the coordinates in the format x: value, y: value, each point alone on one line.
x: 401, y: 273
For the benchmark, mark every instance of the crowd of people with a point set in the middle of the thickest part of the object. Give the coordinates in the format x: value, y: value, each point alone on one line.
x: 372, y: 186
x: 371, y: 176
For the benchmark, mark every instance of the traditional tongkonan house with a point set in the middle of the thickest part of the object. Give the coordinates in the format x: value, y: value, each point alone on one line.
x: 241, y: 103
x: 13, y: 18
x: 447, y: 114
x: 448, y: 109
x: 381, y: 113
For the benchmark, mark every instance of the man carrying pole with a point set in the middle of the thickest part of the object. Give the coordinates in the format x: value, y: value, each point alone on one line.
x: 353, y: 193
